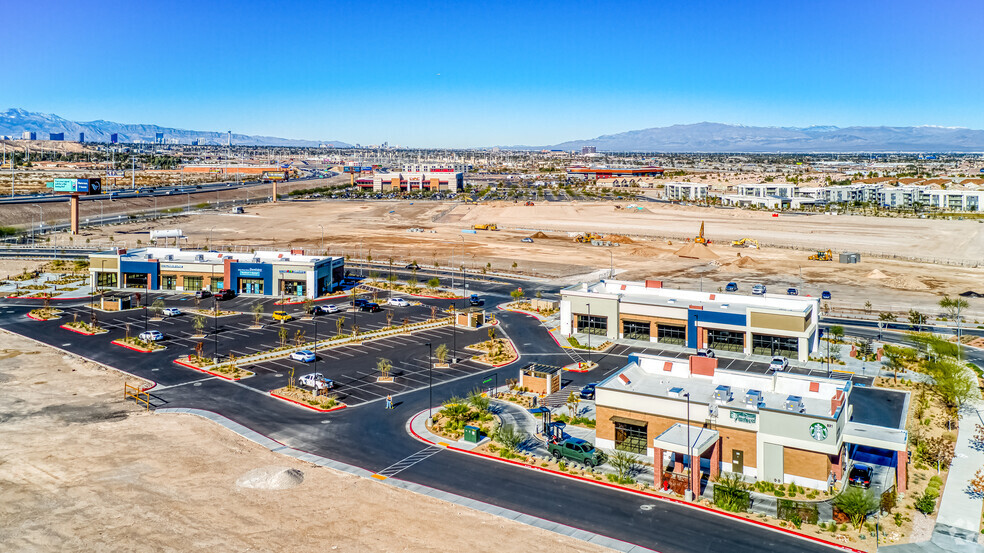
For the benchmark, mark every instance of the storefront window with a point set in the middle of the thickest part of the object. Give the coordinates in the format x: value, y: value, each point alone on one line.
x: 671, y: 334
x: 635, y: 330
x: 251, y: 285
x: 135, y: 280
x: 192, y: 283
x: 763, y: 344
x: 592, y: 324
x: 630, y: 437
x: 169, y: 282
x: 725, y: 340
x: 106, y: 280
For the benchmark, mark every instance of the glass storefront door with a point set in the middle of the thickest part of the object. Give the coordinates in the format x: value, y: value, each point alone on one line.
x: 251, y: 286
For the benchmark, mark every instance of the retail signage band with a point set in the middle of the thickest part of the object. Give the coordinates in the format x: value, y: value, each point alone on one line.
x: 739, y: 416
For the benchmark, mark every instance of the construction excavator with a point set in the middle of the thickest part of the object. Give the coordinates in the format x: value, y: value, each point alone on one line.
x: 822, y: 256
x: 700, y: 237
x: 487, y: 226
x: 745, y: 243
x: 587, y: 237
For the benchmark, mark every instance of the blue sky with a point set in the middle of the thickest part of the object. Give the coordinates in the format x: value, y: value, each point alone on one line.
x: 484, y: 73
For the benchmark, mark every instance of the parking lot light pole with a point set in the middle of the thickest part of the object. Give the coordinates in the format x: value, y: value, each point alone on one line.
x: 215, y: 318
x: 589, y: 334
x: 690, y: 458
x: 314, y: 315
x: 430, y: 379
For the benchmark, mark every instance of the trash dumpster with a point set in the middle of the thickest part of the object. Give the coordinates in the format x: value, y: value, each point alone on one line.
x: 472, y: 434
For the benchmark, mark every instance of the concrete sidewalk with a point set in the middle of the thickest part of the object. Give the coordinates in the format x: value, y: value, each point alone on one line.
x: 960, y: 508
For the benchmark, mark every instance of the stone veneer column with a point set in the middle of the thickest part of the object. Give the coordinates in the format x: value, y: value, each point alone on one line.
x: 658, y: 468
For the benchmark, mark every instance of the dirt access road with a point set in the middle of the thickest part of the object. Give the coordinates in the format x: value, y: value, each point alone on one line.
x: 82, y: 471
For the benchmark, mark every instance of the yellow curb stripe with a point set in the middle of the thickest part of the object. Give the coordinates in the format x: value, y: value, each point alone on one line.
x: 379, y: 477
x: 442, y: 444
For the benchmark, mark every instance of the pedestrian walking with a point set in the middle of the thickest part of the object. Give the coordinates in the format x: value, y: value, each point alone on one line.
x: 389, y: 402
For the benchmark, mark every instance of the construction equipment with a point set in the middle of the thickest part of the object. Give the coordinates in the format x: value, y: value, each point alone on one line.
x: 529, y: 204
x: 700, y: 237
x: 822, y: 256
x: 587, y: 238
x: 745, y: 243
x: 486, y: 226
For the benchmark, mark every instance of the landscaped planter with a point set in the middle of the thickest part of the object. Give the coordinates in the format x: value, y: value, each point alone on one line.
x: 84, y: 330
x: 235, y: 376
x: 153, y: 347
x: 302, y: 398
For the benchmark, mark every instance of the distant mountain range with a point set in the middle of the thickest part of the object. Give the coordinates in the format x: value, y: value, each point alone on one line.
x: 15, y: 121
x: 718, y: 137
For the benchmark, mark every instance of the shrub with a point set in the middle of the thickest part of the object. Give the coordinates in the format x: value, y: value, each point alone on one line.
x: 856, y: 504
x: 731, y: 493
x: 926, y: 503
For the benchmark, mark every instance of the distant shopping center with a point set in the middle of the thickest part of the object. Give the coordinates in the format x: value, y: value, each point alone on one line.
x: 267, y: 273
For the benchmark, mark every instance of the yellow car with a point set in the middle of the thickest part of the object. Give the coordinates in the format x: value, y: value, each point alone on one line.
x: 281, y: 316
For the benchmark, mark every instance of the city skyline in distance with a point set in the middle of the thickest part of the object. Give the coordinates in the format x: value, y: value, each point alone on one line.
x: 476, y: 75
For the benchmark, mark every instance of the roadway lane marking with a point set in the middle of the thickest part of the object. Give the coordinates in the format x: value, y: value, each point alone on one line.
x: 409, y: 461
x: 195, y: 382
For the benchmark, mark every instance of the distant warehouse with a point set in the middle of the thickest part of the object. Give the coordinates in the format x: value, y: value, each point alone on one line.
x: 764, y: 325
x: 268, y: 273
x: 593, y: 173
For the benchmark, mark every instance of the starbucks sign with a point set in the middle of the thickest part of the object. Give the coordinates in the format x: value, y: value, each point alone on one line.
x: 818, y: 431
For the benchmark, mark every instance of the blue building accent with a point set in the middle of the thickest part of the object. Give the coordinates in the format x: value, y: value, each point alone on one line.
x: 151, y: 268
x: 251, y: 270
x: 718, y: 317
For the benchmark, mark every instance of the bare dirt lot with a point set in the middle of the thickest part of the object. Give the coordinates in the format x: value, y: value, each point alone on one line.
x: 649, y: 240
x: 82, y: 471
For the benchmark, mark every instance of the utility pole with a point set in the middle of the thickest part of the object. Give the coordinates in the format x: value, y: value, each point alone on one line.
x: 133, y: 172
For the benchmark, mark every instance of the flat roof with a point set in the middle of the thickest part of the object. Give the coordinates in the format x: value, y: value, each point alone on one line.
x: 670, y: 378
x: 177, y: 255
x: 637, y: 292
x: 878, y: 407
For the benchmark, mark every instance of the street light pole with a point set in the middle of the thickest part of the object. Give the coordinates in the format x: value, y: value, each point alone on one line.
x: 215, y: 318
x: 589, y: 334
x: 690, y: 458
x: 430, y: 379
x: 611, y: 264
x: 322, y: 238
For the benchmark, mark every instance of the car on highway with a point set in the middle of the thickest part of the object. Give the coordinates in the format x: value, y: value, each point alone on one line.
x: 281, y: 316
x: 860, y: 475
x: 202, y: 294
x: 758, y: 289
x: 398, y: 302
x: 413, y: 267
x: 778, y: 364
x: 151, y: 336
x: 792, y: 292
x: 588, y: 391
x: 731, y: 287
x: 528, y: 240
x: 825, y: 295
x: 326, y: 309
x: 578, y: 450
x: 316, y: 381
x: 171, y: 312
x: 225, y: 294
x: 371, y: 307
x: 305, y: 356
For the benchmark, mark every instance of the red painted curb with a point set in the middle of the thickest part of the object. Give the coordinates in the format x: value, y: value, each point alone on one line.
x: 639, y: 492
x: 312, y: 407
x: 43, y: 297
x: 325, y: 298
x: 536, y: 316
x: 82, y: 332
x: 194, y: 368
x: 29, y: 316
x: 122, y: 345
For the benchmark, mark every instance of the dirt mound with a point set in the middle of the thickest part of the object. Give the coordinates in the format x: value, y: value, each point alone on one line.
x: 744, y: 261
x: 271, y: 478
x: 876, y: 274
x: 619, y: 238
x: 539, y: 234
x: 696, y: 251
x: 906, y: 283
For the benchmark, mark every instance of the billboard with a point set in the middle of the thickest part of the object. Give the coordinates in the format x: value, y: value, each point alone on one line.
x: 56, y: 136
x: 115, y: 174
x: 274, y: 176
x: 351, y: 169
x: 114, y: 138
x: 78, y: 186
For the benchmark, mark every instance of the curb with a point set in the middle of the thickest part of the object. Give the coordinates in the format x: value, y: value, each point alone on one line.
x: 122, y: 345
x: 632, y: 491
x: 82, y: 332
x: 312, y: 407
x: 194, y: 368
x: 29, y: 316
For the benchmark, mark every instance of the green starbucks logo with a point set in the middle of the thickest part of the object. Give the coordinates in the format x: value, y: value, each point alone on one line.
x: 819, y: 431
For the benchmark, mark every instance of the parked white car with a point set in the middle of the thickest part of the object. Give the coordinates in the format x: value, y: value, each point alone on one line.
x: 152, y: 336
x: 171, y: 312
x: 316, y: 381
x: 779, y: 364
x: 398, y: 302
x: 327, y: 309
